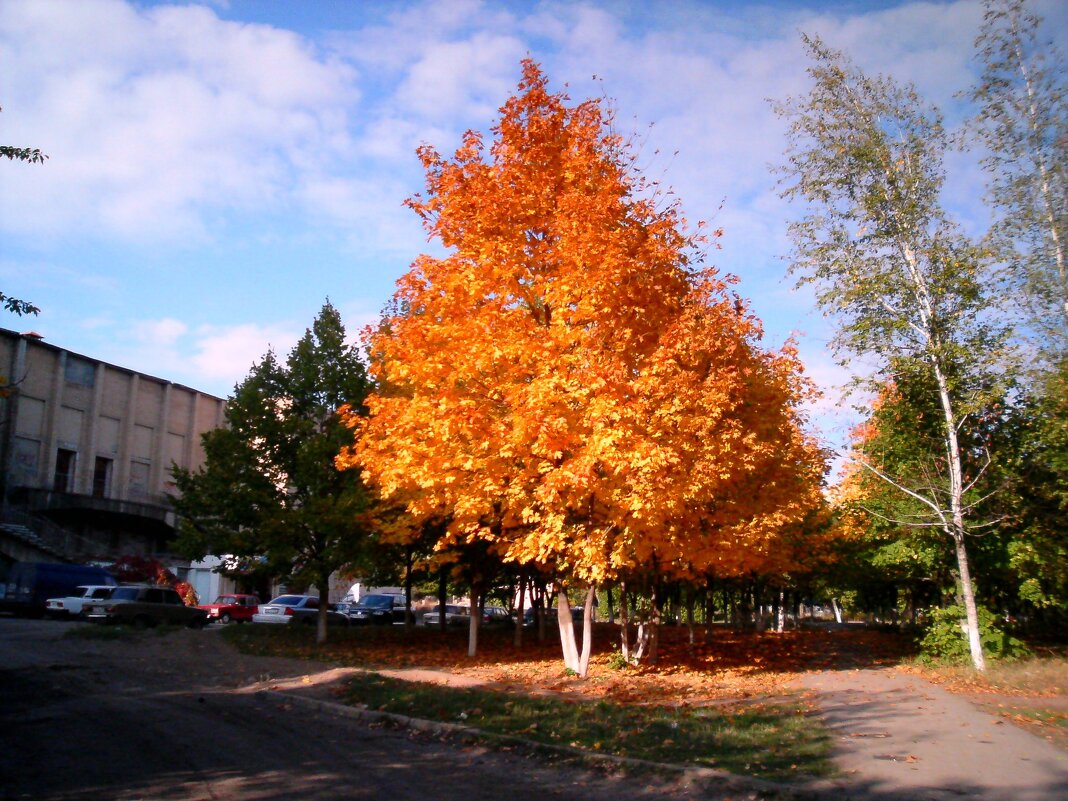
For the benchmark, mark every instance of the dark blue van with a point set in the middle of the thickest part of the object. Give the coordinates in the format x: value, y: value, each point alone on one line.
x: 30, y: 584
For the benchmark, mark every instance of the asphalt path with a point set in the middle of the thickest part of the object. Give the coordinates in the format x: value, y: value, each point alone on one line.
x: 176, y: 717
x: 900, y: 738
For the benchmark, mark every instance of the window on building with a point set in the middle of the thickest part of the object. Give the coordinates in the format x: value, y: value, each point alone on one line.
x: 79, y: 372
x: 101, y: 477
x: 64, y: 478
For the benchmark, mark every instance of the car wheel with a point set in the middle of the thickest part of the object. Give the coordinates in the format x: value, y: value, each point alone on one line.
x: 141, y: 622
x: 225, y: 618
x: 197, y: 623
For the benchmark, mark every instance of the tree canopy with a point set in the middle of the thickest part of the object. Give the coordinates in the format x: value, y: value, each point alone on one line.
x: 268, y: 488
x: 904, y: 285
x: 570, y: 384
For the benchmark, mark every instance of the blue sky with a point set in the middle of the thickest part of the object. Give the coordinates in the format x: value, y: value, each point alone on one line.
x: 218, y: 169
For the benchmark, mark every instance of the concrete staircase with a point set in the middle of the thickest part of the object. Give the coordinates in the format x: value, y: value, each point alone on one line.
x: 28, y: 537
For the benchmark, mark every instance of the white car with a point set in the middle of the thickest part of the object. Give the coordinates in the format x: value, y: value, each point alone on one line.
x: 72, y: 605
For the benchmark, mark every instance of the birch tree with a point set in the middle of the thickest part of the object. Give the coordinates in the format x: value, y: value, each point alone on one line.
x: 1022, y: 122
x: 904, y: 286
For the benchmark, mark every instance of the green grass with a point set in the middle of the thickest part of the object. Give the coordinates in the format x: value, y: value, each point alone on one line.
x: 773, y: 741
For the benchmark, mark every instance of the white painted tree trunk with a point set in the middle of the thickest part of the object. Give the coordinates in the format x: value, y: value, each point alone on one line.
x: 472, y: 628
x: 567, y: 631
x: 587, y: 631
x: 837, y: 610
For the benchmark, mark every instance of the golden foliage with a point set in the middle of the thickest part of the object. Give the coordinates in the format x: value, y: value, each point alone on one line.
x: 569, y: 383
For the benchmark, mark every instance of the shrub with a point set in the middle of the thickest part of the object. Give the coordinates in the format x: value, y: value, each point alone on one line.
x: 945, y: 638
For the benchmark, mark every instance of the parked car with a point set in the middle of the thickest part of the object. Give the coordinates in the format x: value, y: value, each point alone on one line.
x: 296, y: 608
x: 72, y: 605
x: 551, y: 616
x: 455, y: 616
x: 497, y: 617
x: 238, y: 608
x: 30, y: 584
x: 383, y: 610
x: 143, y: 607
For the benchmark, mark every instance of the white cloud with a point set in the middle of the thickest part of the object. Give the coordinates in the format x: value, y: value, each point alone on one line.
x: 461, y: 79
x: 227, y: 353
x: 157, y: 120
x: 163, y: 334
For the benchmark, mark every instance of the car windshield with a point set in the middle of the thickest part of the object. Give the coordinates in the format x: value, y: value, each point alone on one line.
x: 378, y: 601
x: 288, y: 600
x: 226, y: 600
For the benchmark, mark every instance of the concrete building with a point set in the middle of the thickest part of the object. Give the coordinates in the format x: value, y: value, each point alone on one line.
x: 86, y: 450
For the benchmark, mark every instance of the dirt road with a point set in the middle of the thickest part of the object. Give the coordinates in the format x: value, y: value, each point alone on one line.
x: 179, y: 717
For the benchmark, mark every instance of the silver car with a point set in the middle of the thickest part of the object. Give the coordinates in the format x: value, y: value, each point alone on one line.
x: 296, y: 609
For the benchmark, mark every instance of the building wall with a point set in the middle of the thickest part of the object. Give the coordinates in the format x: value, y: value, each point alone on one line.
x: 79, y: 425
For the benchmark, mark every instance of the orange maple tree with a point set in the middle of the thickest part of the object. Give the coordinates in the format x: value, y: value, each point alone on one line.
x: 570, y: 384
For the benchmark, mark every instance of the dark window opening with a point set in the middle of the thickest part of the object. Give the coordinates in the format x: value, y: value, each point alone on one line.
x: 101, y: 477
x: 64, y: 478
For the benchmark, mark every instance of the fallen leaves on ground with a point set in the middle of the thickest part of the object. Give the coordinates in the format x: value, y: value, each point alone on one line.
x: 734, y: 666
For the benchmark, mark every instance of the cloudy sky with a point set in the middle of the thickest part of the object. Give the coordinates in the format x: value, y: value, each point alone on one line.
x: 218, y: 169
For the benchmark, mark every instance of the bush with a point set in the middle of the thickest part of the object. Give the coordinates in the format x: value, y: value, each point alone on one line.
x: 945, y: 638
x: 617, y: 661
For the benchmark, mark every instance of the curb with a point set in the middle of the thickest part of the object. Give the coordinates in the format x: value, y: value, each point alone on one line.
x: 761, y: 789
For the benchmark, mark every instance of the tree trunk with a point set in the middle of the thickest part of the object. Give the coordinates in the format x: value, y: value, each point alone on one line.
x: 472, y: 627
x: 567, y: 630
x: 691, y: 601
x: 611, y: 610
x: 967, y: 590
x: 837, y: 610
x: 780, y: 621
x: 956, y: 529
x: 517, y: 636
x: 624, y: 622
x: 587, y: 631
x: 443, y: 597
x: 539, y: 611
x: 710, y: 613
x: 409, y: 619
x: 324, y: 607
x: 654, y: 626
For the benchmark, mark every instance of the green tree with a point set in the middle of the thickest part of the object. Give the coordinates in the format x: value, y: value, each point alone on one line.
x: 905, y: 287
x: 1036, y: 471
x: 1022, y: 122
x: 33, y: 156
x: 268, y: 487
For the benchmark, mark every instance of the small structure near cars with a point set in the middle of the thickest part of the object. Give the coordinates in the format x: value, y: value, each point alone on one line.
x: 143, y: 607
x: 296, y: 608
x: 233, y: 607
x: 72, y: 605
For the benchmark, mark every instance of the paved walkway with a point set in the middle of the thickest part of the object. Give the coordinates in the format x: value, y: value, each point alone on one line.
x: 900, y: 738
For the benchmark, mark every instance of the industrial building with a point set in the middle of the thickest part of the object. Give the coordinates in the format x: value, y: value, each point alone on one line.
x: 86, y: 450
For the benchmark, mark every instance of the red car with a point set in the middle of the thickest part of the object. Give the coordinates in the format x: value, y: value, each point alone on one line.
x: 239, y: 608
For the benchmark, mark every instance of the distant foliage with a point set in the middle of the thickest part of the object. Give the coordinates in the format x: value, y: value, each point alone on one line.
x: 945, y: 639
